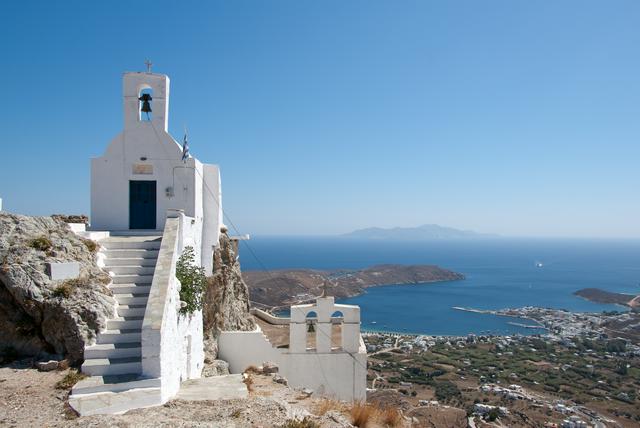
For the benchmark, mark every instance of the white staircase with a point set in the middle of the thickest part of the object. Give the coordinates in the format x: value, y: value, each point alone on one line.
x: 114, y: 362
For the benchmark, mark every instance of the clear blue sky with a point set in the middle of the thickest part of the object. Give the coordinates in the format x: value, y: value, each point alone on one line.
x: 512, y: 117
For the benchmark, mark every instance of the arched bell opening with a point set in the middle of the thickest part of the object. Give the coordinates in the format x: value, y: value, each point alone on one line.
x: 337, y: 319
x: 145, y: 104
x: 311, y: 319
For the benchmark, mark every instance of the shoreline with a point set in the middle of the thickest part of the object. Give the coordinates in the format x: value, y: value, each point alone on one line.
x: 502, y: 314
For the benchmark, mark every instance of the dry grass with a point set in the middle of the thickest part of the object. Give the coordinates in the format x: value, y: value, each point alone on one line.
x: 42, y: 243
x: 390, y: 416
x: 304, y: 423
x: 325, y: 405
x: 92, y: 246
x: 64, y: 290
x: 249, y: 382
x: 362, y: 414
x: 70, y: 379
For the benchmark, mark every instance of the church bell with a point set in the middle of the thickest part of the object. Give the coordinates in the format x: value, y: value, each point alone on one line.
x: 146, y: 106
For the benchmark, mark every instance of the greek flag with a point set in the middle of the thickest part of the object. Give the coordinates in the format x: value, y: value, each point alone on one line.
x: 185, y: 149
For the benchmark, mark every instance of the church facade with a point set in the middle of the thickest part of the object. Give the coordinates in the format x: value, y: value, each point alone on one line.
x: 143, y: 173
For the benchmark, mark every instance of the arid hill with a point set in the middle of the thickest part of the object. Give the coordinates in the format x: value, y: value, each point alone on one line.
x: 601, y: 296
x: 286, y: 287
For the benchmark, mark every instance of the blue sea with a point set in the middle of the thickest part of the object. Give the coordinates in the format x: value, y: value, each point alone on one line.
x: 500, y: 273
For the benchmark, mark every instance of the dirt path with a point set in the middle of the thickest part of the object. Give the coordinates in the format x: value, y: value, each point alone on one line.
x: 29, y: 397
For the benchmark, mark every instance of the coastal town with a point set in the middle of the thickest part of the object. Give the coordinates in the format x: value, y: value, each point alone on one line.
x: 584, y: 372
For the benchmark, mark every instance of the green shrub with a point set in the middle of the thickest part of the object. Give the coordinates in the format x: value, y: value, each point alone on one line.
x: 192, y: 280
x: 304, y: 423
x: 42, y: 243
x: 446, y: 390
x: 493, y: 415
x: 70, y: 379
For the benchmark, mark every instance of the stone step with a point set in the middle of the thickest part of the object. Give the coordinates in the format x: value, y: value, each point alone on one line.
x: 113, y: 383
x: 131, y: 261
x: 130, y: 299
x: 131, y: 253
x: 131, y: 310
x: 112, y: 366
x: 119, y: 336
x: 132, y: 279
x: 111, y: 403
x: 141, y: 290
x: 124, y: 324
x: 131, y: 270
x: 113, y: 350
x: 136, y: 233
x: 130, y: 243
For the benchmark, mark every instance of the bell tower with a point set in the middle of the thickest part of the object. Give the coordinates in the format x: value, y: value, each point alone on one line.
x: 146, y: 100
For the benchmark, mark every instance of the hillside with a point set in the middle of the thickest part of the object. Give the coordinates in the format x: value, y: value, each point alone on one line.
x: 285, y: 287
x: 424, y: 232
x: 601, y: 296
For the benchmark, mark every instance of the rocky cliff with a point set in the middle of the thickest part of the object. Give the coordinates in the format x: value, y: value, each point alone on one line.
x: 40, y: 316
x: 226, y: 301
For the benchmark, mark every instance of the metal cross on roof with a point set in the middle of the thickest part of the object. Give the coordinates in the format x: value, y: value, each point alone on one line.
x: 148, y: 64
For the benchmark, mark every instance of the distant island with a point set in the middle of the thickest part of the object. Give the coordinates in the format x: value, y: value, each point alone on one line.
x: 601, y: 296
x: 424, y: 232
x: 292, y: 286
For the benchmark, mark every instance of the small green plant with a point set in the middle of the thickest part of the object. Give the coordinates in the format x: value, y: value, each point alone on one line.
x: 304, y: 423
x: 192, y: 280
x: 70, y: 379
x: 493, y: 415
x: 41, y: 243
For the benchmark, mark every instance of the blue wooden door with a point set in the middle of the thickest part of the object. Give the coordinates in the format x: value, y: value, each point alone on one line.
x: 142, y: 204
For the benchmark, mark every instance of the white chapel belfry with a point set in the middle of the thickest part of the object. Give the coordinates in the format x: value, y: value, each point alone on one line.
x: 141, y: 175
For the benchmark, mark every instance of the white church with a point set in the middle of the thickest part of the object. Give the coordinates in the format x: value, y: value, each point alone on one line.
x: 149, y: 200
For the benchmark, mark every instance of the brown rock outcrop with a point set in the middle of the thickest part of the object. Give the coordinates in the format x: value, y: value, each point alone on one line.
x: 226, y: 300
x: 39, y: 315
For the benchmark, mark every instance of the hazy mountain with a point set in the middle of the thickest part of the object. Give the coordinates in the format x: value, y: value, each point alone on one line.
x: 424, y: 232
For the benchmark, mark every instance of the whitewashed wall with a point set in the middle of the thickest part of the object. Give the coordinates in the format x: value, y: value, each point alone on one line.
x: 213, y: 218
x: 172, y: 344
x: 340, y: 373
